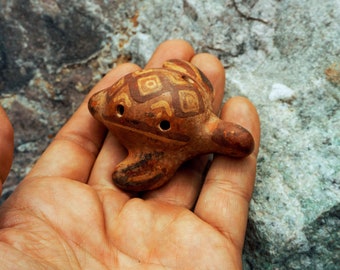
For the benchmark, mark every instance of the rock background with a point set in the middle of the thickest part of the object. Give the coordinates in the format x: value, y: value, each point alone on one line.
x: 283, y: 55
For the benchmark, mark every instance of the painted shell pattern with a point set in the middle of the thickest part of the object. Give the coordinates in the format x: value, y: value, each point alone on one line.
x: 163, y: 117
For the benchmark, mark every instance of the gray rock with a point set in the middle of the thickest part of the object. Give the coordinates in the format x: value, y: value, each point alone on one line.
x: 283, y: 55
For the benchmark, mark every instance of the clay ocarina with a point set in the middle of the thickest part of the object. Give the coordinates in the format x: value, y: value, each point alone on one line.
x: 163, y: 117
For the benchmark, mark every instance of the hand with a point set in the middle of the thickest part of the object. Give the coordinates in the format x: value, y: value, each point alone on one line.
x: 6, y: 146
x: 67, y: 214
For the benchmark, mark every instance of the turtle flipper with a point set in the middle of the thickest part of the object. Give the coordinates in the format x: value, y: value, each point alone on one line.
x: 144, y: 171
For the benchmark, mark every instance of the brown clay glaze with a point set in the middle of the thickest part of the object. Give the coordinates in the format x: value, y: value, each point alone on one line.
x: 163, y: 116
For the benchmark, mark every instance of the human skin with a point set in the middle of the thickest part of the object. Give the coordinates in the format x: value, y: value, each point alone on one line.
x: 6, y: 146
x: 67, y: 213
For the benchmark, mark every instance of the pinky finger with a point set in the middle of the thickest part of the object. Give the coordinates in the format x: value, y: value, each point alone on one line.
x: 225, y: 196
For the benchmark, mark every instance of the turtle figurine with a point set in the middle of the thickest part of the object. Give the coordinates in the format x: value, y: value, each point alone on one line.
x: 163, y: 117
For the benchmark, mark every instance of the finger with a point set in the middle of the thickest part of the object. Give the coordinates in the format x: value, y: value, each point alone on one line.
x: 225, y: 196
x: 6, y: 146
x: 184, y: 188
x: 171, y: 49
x: 214, y: 70
x: 75, y: 147
x: 112, y: 153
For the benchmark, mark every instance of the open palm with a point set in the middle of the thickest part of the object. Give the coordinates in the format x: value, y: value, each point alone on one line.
x: 67, y: 214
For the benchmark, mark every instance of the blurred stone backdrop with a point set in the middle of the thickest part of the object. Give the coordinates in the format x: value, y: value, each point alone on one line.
x: 282, y: 55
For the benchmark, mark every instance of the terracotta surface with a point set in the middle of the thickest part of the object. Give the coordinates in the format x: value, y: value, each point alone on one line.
x: 164, y: 117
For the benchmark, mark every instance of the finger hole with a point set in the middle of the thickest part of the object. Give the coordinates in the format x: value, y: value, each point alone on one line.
x: 120, y: 110
x: 164, y: 125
